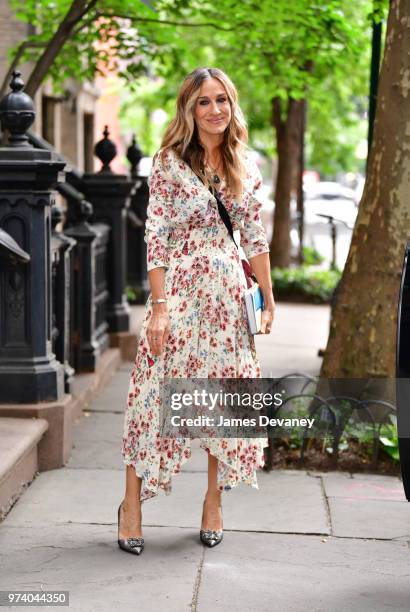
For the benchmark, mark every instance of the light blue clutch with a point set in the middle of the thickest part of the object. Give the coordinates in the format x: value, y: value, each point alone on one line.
x: 254, y: 305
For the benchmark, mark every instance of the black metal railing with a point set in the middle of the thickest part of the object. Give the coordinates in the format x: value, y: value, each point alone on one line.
x: 343, y: 409
x: 71, y: 291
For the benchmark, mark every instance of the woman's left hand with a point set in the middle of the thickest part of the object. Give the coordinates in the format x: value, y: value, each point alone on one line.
x: 267, y: 319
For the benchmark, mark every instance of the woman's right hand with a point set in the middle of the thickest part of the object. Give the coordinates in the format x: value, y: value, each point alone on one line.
x: 158, y: 328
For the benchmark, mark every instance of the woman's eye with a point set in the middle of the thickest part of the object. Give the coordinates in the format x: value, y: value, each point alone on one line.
x: 220, y: 101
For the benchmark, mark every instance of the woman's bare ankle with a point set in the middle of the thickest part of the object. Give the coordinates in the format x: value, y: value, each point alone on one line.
x: 212, y: 511
x: 131, y: 504
x: 130, y: 519
x: 213, y: 495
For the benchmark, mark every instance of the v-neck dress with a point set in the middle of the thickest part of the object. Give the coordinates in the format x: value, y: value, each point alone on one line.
x: 209, y: 333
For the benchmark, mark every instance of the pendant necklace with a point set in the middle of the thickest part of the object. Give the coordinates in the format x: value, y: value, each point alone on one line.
x: 215, y: 177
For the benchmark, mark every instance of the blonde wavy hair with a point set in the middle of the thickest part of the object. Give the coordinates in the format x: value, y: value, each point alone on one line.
x: 182, y: 133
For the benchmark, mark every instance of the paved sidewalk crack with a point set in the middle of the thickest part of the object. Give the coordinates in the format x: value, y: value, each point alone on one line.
x: 327, y: 506
x: 195, y: 595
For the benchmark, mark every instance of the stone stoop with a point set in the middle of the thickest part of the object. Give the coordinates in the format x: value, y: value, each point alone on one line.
x: 19, y: 440
x: 38, y: 437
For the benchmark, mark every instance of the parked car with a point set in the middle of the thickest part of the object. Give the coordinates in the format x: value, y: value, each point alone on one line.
x: 323, y: 198
x: 323, y: 202
x: 330, y: 199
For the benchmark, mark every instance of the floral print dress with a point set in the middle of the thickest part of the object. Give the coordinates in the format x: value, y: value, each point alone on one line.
x: 209, y: 333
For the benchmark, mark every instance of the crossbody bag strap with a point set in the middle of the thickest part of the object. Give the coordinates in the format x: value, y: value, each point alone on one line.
x: 224, y: 214
x: 227, y: 221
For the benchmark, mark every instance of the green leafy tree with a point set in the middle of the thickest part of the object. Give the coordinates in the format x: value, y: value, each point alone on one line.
x: 279, y: 59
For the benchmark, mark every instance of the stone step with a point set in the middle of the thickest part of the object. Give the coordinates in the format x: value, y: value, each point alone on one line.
x: 19, y: 439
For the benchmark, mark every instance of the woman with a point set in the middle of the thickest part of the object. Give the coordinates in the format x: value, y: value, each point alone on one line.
x: 195, y: 320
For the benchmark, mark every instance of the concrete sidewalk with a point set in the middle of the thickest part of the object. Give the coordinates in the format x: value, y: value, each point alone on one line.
x: 303, y: 541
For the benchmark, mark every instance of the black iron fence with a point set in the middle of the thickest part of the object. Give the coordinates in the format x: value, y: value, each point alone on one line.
x: 64, y: 269
x: 337, y: 414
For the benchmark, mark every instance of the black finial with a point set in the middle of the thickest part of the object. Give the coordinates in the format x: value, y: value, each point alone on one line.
x: 17, y: 112
x: 16, y: 83
x: 105, y: 150
x: 134, y: 155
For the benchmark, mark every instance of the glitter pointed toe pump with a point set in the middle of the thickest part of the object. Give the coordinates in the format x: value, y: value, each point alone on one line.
x: 131, y: 545
x: 210, y: 537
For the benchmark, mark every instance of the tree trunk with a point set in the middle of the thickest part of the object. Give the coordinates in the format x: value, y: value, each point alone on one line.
x: 362, y: 339
x: 299, y: 181
x: 288, y: 147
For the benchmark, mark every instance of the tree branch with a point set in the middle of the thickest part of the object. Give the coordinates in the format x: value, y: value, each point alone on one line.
x: 78, y: 9
x: 24, y: 45
x: 76, y: 12
x: 175, y: 23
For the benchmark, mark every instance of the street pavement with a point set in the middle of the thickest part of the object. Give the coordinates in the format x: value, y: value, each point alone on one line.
x: 310, y: 541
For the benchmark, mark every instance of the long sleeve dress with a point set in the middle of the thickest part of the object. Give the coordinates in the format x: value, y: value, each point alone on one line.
x: 209, y: 333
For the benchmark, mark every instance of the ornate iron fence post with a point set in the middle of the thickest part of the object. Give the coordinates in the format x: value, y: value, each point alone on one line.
x: 63, y: 295
x: 137, y: 275
x: 109, y: 192
x: 29, y: 371
x: 90, y: 338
